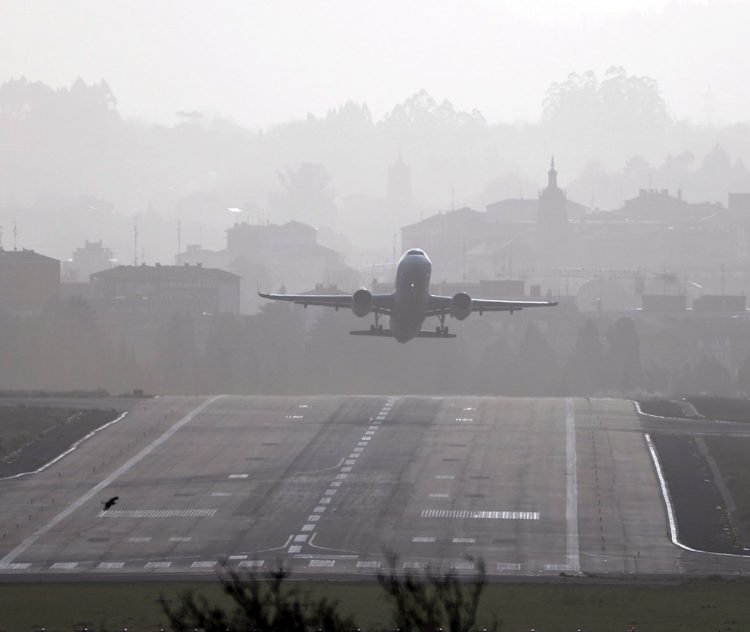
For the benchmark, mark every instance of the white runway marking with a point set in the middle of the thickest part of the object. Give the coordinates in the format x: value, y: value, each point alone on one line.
x: 221, y: 493
x: 203, y: 564
x: 239, y: 476
x: 571, y: 508
x: 158, y: 513
x: 27, y: 542
x: 308, y: 527
x: 158, y: 564
x: 313, y: 518
x: 423, y: 539
x: 444, y: 477
x: 251, y: 564
x: 368, y: 564
x: 295, y: 548
x: 322, y: 563
x: 462, y: 566
x: 234, y: 558
x: 319, y: 509
x: 300, y: 538
x: 180, y: 539
x: 336, y: 484
x: 464, y: 541
x: 146, y: 538
x: 438, y: 495
x: 19, y: 566
x: 414, y: 566
x: 110, y: 564
x: 507, y: 566
x: 467, y: 514
x: 64, y: 566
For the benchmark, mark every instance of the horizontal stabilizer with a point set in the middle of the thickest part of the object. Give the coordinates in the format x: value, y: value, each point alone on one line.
x: 384, y: 333
x: 387, y: 333
x: 434, y: 334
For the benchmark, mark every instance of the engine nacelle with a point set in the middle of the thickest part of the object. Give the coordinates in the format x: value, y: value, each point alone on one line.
x: 461, y: 306
x: 361, y: 302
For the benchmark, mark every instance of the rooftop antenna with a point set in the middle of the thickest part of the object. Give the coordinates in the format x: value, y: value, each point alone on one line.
x: 15, y: 235
x: 179, y: 241
x: 135, y: 243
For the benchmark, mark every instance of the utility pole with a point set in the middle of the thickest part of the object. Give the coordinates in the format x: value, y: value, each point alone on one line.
x: 135, y: 244
x: 179, y: 242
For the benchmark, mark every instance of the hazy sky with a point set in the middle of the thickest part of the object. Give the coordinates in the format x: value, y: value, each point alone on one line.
x: 261, y: 63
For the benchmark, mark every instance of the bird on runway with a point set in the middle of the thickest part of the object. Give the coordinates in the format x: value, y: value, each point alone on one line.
x: 108, y: 503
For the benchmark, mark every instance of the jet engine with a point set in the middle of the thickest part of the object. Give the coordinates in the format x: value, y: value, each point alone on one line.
x: 361, y: 302
x: 461, y: 306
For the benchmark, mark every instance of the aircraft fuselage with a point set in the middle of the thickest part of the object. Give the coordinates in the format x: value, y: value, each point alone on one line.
x: 411, y: 296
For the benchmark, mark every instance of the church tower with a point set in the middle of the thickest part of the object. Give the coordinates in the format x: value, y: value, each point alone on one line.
x: 399, y: 185
x: 552, y: 202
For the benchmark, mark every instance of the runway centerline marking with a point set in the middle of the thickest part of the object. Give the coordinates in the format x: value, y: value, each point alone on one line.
x: 571, y: 505
x: 341, y: 476
x: 27, y: 542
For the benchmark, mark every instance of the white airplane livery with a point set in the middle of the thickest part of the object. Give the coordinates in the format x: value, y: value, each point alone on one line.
x: 409, y: 304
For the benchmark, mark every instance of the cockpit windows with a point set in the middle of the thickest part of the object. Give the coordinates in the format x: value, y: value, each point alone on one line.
x: 415, y: 251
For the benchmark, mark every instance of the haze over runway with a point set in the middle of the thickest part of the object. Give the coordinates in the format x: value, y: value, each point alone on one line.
x: 327, y: 484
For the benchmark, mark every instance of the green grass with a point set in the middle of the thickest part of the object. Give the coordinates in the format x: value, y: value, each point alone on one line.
x: 697, y: 606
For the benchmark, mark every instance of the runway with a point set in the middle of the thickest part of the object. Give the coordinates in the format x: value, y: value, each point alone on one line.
x: 326, y: 485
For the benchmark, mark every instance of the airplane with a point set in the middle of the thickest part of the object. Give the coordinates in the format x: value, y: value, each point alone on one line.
x: 410, y: 304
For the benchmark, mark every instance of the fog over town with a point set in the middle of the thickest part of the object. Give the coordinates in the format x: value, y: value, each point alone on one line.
x: 159, y: 165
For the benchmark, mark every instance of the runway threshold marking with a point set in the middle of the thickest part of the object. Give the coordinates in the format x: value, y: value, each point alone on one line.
x: 468, y: 514
x: 27, y: 542
x: 571, y: 505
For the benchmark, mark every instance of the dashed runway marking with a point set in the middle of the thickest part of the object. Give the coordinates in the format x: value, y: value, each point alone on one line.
x: 158, y: 564
x: 308, y: 529
x: 438, y: 495
x: 233, y: 558
x: 157, y: 513
x: 64, y: 566
x: 18, y: 566
x: 321, y: 563
x: 467, y: 514
x: 414, y: 566
x: 239, y: 476
x: 251, y: 564
x: 180, y: 538
x: 206, y: 564
x: 507, y: 566
x: 146, y: 538
x: 420, y: 538
x: 445, y: 477
x: 368, y: 564
x: 221, y: 493
x: 464, y: 541
x: 110, y: 565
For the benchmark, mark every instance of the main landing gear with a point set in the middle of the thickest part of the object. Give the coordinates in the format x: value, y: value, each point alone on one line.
x: 441, y: 330
x: 377, y: 327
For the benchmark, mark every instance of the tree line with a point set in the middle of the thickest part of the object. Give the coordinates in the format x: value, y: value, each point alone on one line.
x: 287, y: 350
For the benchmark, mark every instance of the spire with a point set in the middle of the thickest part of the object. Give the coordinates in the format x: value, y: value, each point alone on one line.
x: 552, y: 175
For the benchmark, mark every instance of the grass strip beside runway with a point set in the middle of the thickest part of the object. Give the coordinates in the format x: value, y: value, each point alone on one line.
x: 687, y: 607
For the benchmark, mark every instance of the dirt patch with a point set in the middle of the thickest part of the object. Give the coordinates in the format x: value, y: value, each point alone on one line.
x: 32, y: 436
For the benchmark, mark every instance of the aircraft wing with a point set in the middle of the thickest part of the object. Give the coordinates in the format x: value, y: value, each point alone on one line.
x: 443, y: 304
x: 381, y: 303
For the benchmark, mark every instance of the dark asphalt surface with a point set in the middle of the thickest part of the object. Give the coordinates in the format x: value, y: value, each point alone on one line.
x: 536, y: 487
